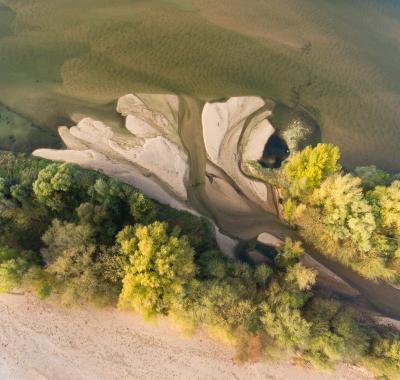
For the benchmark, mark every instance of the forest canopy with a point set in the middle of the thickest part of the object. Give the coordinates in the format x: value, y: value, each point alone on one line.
x: 352, y: 217
x: 79, y: 237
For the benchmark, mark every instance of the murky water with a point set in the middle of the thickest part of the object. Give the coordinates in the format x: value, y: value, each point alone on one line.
x: 338, y: 60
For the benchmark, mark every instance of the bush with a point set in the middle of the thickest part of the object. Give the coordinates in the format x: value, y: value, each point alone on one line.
x: 371, y: 176
x: 13, y: 266
x: 78, y: 277
x: 335, y: 334
x: 62, y: 236
x: 384, y: 356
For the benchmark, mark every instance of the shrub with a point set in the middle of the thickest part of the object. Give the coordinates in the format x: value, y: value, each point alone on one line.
x: 13, y: 266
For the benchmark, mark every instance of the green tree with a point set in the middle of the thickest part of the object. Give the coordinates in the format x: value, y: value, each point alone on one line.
x: 21, y: 193
x: 13, y: 266
x: 222, y: 300
x: 281, y: 321
x: 78, y: 276
x: 223, y: 307
x: 386, y: 201
x: 345, y: 212
x: 289, y: 254
x: 213, y: 264
x: 262, y: 275
x: 58, y: 186
x: 141, y: 208
x: 299, y: 277
x: 371, y: 176
x: 384, y: 355
x: 62, y: 236
x: 22, y: 228
x: 335, y: 333
x: 5, y: 185
x: 160, y: 266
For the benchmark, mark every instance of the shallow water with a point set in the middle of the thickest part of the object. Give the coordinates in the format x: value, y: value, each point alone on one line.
x: 338, y: 59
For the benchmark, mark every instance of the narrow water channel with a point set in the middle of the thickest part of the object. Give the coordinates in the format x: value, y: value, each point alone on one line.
x: 214, y: 194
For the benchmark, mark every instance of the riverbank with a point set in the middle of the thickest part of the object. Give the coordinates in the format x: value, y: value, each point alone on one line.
x: 240, y: 207
x: 93, y: 344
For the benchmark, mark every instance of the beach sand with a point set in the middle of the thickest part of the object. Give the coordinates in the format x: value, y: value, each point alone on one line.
x: 40, y: 340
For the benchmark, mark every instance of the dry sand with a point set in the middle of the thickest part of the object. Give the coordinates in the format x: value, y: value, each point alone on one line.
x: 42, y: 341
x: 228, y: 133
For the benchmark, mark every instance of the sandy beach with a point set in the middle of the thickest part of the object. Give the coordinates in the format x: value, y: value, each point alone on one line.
x: 41, y: 341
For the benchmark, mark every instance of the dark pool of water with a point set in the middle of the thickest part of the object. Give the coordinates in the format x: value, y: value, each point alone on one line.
x: 275, y: 152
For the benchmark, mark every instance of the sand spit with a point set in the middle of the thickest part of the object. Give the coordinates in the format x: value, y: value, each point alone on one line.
x: 151, y: 151
x: 149, y: 115
x: 71, y: 141
x: 223, y: 127
x: 268, y: 239
x: 92, y: 344
x: 219, y: 118
x: 162, y: 158
x: 233, y: 131
x: 254, y: 139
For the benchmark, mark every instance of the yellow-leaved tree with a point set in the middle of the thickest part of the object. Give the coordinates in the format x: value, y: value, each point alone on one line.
x: 308, y: 168
x: 159, y: 267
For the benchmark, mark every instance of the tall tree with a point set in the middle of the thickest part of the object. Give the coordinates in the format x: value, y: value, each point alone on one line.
x: 160, y: 265
x: 308, y: 168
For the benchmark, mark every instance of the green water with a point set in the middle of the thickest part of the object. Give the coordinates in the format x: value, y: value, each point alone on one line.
x: 338, y: 59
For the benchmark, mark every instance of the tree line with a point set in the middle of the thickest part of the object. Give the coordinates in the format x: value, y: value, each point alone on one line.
x: 351, y: 216
x: 78, y: 237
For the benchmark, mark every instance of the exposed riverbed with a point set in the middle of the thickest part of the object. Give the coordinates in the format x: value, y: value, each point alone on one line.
x: 166, y: 139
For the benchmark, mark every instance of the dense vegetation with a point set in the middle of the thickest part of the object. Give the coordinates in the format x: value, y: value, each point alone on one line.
x: 353, y: 217
x: 80, y: 237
